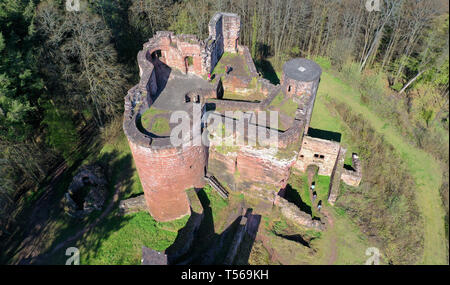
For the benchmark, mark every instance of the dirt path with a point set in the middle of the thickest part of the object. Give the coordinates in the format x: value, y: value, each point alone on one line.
x: 328, y: 220
x: 330, y: 228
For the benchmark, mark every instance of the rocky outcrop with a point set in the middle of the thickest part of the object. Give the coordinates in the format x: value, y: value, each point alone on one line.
x: 86, y: 193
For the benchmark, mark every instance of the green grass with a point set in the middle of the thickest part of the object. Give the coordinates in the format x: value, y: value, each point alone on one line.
x: 160, y: 126
x: 216, y: 202
x: 227, y: 59
x: 276, y: 102
x: 299, y: 183
x: 119, y: 240
x: 251, y: 96
x: 116, y: 239
x: 322, y: 119
x: 424, y: 168
x: 148, y: 115
x: 289, y: 107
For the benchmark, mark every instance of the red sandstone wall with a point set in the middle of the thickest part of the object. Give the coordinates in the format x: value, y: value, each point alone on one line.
x: 235, y: 84
x: 242, y: 170
x: 297, y: 88
x: 311, y: 146
x: 231, y: 29
x: 166, y: 174
x: 175, y: 49
x: 255, y: 169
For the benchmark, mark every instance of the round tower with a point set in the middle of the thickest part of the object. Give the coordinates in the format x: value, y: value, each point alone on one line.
x: 299, y: 81
x: 169, y: 157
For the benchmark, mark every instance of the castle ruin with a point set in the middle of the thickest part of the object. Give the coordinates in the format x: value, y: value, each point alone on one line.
x: 174, y: 76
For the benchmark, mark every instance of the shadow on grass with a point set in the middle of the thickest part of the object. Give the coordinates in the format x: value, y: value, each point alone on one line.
x: 294, y: 197
x: 297, y: 238
x: 323, y: 134
x: 267, y: 71
x: 99, y: 224
x: 211, y: 248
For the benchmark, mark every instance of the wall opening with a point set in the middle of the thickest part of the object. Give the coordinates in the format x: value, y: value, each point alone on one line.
x: 289, y: 88
x: 189, y: 61
x: 156, y: 54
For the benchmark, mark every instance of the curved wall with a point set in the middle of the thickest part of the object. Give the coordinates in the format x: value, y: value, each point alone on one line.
x: 165, y: 175
x: 165, y: 171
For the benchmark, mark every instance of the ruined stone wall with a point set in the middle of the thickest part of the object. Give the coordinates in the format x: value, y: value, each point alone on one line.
x: 231, y: 31
x: 224, y: 31
x: 214, y: 42
x: 165, y: 171
x: 291, y: 212
x: 336, y: 177
x: 353, y: 177
x: 175, y: 51
x: 223, y: 167
x: 245, y: 169
x: 256, y: 167
x: 320, y: 152
x: 166, y: 174
x: 248, y: 60
x: 241, y: 168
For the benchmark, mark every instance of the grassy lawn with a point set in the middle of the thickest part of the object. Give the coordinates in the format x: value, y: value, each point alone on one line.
x: 160, y: 126
x: 236, y: 61
x: 423, y: 166
x: 119, y: 239
x: 148, y: 115
x: 153, y: 120
x: 285, y: 105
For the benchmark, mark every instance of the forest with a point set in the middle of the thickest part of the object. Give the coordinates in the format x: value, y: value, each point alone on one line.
x: 64, y: 74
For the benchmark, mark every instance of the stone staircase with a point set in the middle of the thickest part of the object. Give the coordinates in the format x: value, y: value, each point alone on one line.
x: 215, y: 184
